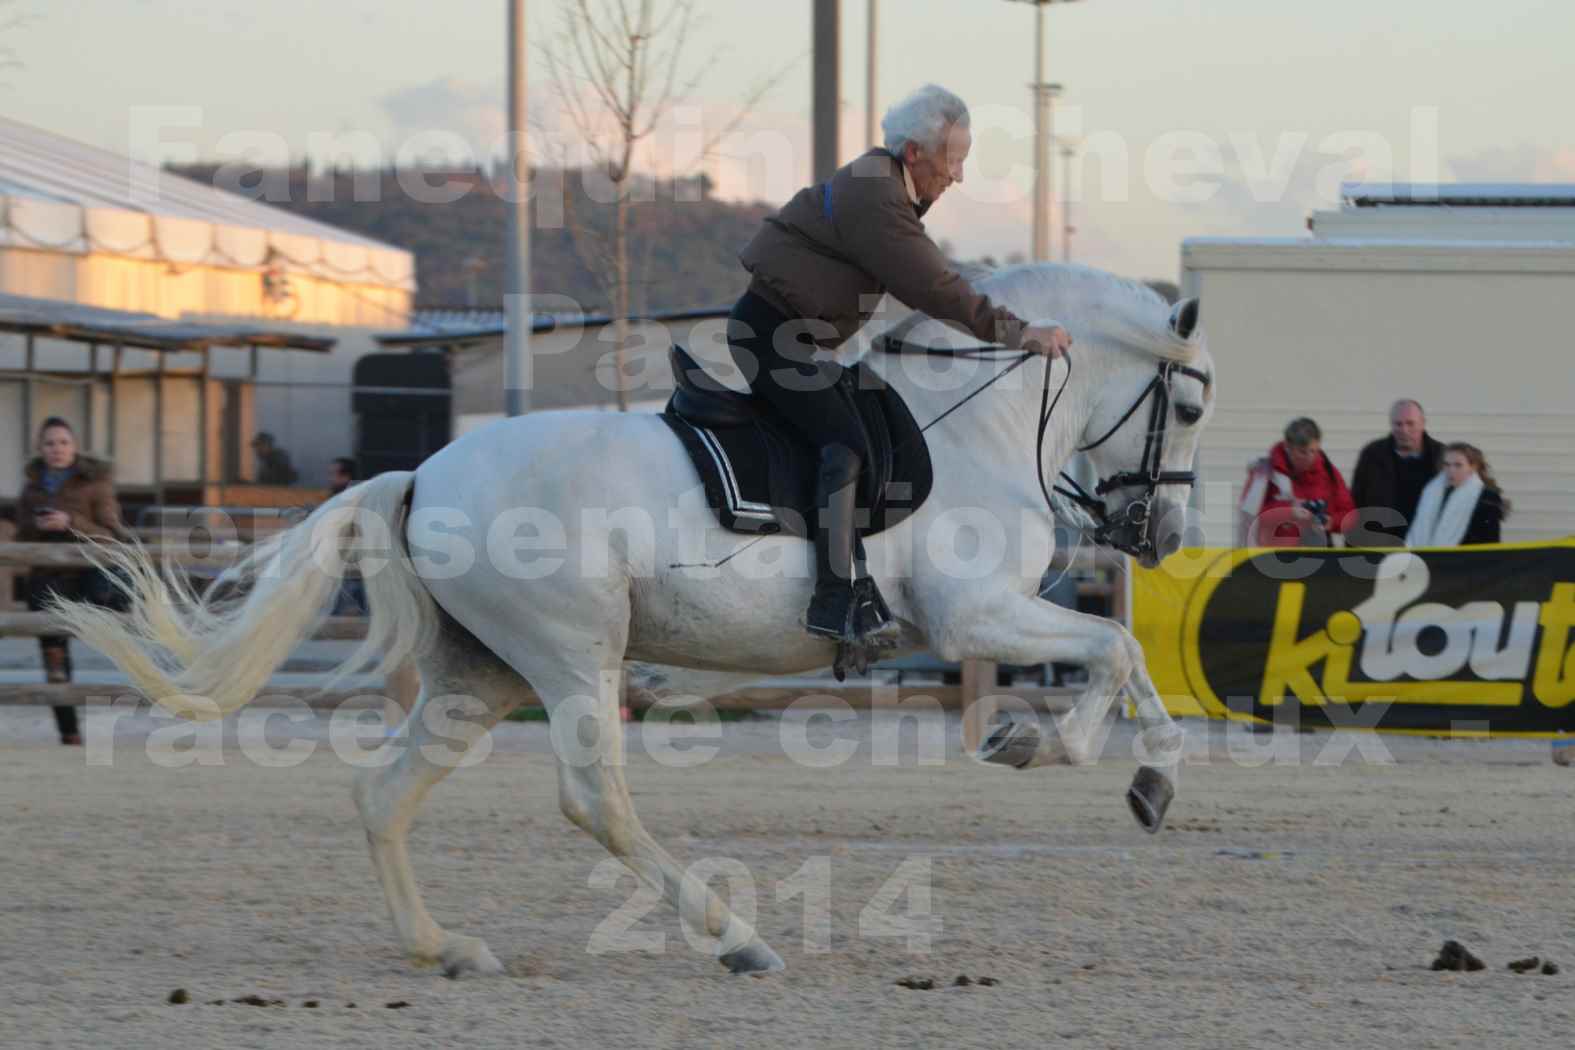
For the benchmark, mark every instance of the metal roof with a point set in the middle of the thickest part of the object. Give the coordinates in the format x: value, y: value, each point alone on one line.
x: 1459, y: 194
x: 431, y: 330
x: 60, y: 195
x: 91, y: 324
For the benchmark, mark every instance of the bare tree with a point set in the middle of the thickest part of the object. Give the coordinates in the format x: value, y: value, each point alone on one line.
x: 10, y: 21
x: 627, y: 54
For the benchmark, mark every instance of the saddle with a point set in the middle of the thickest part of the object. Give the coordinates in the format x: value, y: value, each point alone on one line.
x: 759, y: 470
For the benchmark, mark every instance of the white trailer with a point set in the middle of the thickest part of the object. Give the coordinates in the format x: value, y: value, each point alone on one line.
x: 1461, y: 297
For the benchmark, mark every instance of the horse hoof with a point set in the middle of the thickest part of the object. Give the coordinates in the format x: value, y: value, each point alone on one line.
x: 753, y: 958
x: 1012, y: 744
x: 1149, y: 796
x: 469, y: 957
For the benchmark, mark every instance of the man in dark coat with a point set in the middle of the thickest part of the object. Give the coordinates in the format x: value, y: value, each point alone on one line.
x: 273, y: 462
x: 1390, y: 476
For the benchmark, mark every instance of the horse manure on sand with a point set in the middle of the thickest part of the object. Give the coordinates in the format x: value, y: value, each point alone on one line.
x: 962, y: 980
x: 1456, y: 956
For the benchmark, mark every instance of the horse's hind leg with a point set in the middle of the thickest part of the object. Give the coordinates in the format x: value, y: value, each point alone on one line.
x: 433, y: 741
x: 595, y: 797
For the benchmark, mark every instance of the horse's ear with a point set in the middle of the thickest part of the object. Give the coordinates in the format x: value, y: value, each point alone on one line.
x: 1184, y: 318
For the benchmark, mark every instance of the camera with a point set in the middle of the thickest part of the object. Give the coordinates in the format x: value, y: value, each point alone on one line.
x: 1318, y: 508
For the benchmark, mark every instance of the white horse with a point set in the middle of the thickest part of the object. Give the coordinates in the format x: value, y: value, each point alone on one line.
x: 572, y: 542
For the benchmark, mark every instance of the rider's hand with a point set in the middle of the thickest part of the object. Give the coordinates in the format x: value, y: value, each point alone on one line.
x: 1052, y: 341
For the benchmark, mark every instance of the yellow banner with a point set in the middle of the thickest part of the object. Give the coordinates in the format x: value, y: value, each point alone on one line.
x: 1466, y: 640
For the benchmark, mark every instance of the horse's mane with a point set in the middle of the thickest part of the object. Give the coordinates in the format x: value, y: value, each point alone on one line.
x: 1092, y: 304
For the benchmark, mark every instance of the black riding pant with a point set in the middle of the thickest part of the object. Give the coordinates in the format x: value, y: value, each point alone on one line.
x: 72, y: 586
x: 773, y: 352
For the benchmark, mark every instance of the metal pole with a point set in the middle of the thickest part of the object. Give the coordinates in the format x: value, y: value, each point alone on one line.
x: 826, y: 63
x: 27, y: 396
x: 114, y: 372
x: 202, y: 421
x: 1067, y: 153
x: 1041, y: 241
x: 516, y: 292
x: 158, y: 428
x: 88, y: 430
x: 870, y: 141
x: 1047, y: 164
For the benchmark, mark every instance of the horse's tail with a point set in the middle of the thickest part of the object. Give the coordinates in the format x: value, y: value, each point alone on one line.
x: 203, y: 658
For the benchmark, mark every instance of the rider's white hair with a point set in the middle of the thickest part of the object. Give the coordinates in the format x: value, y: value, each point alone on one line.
x: 923, y: 119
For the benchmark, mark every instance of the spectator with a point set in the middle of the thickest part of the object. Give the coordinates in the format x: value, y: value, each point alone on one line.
x: 66, y: 493
x: 1462, y: 505
x: 1391, y: 473
x: 341, y: 475
x: 273, y: 462
x: 1295, y: 497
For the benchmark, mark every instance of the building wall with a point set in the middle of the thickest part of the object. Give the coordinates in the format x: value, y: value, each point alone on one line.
x: 1477, y: 333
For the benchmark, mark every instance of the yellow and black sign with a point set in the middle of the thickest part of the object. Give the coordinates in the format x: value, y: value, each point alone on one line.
x: 1465, y: 640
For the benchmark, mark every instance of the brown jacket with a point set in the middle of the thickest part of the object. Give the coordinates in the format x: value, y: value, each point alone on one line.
x: 88, y: 496
x: 837, y: 246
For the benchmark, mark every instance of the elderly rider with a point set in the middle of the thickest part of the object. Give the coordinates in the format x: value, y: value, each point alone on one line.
x: 818, y: 267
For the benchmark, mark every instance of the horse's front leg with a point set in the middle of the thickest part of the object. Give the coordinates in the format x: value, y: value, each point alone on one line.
x: 1018, y: 629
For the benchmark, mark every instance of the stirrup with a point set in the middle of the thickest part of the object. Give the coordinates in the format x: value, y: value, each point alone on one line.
x: 873, y: 623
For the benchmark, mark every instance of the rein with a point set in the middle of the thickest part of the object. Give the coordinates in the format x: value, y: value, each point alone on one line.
x: 1128, y: 530
x: 1046, y: 405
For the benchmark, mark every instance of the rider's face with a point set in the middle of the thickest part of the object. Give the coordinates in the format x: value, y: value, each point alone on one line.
x: 933, y: 171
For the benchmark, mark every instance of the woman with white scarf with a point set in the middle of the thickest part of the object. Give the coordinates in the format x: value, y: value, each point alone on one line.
x: 1462, y: 505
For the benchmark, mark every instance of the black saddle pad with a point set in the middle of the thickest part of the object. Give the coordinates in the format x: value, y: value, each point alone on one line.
x: 759, y: 473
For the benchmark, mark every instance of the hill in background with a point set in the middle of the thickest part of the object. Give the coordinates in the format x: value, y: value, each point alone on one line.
x: 683, y: 251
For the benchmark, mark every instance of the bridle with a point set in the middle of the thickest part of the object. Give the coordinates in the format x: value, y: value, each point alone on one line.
x: 1126, y: 531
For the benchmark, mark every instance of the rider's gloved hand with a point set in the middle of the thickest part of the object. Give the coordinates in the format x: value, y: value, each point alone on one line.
x: 1050, y: 340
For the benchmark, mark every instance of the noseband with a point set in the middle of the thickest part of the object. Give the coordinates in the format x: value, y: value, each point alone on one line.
x: 1128, y: 530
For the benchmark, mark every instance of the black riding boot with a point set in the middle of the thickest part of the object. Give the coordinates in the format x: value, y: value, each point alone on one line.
x: 846, y: 606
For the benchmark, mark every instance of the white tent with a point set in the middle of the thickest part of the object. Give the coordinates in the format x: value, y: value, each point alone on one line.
x: 85, y: 225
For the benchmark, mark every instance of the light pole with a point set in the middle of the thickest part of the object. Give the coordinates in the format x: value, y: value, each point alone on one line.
x: 1043, y: 94
x: 1068, y: 152
x: 516, y: 289
x: 870, y: 142
x: 825, y: 60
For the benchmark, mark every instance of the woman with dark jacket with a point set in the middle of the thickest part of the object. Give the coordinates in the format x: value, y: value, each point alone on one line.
x: 65, y: 493
x: 1462, y: 505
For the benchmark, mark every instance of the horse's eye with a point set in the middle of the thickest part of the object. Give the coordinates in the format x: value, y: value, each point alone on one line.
x: 1189, y: 414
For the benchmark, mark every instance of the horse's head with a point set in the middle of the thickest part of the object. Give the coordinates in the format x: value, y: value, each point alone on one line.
x: 1142, y: 435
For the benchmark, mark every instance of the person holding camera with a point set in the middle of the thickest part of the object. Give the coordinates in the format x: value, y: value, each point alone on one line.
x: 1296, y: 497
x: 65, y: 494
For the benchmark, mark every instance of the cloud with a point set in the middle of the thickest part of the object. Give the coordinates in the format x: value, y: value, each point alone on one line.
x: 471, y: 110
x: 1523, y: 163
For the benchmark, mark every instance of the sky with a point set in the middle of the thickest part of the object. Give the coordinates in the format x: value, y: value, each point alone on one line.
x: 1188, y: 117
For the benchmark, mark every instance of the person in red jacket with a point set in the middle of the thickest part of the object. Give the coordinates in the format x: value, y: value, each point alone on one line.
x: 1296, y: 497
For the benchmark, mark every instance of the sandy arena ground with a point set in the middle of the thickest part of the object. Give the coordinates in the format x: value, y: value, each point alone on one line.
x: 1288, y: 904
